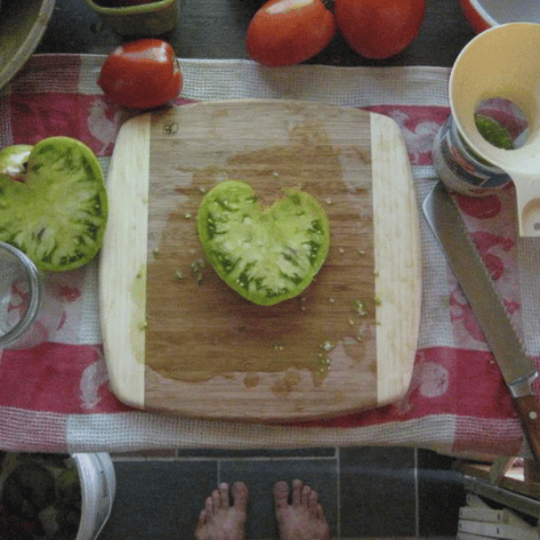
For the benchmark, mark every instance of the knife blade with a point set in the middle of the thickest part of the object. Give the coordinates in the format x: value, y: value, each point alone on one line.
x: 517, y: 369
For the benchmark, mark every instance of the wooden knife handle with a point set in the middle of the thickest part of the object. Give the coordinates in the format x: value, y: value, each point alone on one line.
x: 528, y: 409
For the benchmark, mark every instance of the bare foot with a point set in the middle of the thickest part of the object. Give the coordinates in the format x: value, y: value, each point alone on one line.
x: 221, y: 521
x: 303, y: 519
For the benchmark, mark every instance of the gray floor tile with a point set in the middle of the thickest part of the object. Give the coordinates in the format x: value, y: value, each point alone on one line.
x: 159, y: 500
x: 374, y: 496
x: 262, y: 453
x: 441, y: 493
x: 377, y: 492
x: 261, y: 475
x: 144, y: 454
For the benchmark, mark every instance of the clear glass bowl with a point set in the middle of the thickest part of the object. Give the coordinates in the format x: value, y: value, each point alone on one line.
x: 29, y: 315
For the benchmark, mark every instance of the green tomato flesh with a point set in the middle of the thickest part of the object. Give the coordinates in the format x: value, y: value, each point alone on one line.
x: 493, y: 132
x: 266, y: 254
x: 55, y: 209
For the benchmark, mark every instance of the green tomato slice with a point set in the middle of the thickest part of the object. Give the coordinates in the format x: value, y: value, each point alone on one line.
x: 493, y: 132
x: 267, y: 254
x: 53, y: 207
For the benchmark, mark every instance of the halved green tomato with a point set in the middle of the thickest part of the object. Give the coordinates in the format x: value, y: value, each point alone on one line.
x: 267, y: 254
x: 53, y: 202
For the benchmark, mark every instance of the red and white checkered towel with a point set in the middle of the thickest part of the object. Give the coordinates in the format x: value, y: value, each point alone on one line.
x: 55, y: 396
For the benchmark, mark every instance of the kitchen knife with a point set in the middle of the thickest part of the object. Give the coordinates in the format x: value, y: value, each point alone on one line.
x: 517, y: 368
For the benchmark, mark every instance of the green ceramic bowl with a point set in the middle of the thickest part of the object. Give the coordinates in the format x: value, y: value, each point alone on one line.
x: 152, y: 19
x: 22, y: 25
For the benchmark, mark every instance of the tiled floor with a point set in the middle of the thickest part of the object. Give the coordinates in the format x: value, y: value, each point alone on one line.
x: 366, y: 492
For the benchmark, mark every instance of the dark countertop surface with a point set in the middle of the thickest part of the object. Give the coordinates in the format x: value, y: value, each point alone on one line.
x: 215, y: 29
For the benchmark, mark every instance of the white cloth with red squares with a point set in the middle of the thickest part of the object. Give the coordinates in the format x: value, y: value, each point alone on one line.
x: 55, y: 397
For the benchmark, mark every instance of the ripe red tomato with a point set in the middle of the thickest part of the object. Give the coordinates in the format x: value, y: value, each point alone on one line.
x: 379, y: 29
x: 141, y: 74
x: 287, y: 32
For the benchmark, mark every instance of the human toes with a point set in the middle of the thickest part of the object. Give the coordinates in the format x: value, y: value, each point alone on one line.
x: 306, y: 495
x: 281, y: 494
x: 223, y: 496
x: 215, y: 501
x: 203, y: 517
x: 312, y: 500
x: 297, y: 490
x: 240, y: 495
x: 209, y: 506
x: 202, y: 525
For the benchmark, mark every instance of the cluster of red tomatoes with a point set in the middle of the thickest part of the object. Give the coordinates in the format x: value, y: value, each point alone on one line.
x: 287, y: 32
x: 144, y: 74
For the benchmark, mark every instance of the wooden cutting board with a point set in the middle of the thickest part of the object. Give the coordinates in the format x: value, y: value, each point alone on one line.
x: 178, y: 339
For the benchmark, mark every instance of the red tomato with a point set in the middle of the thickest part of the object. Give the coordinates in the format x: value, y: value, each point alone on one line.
x: 379, y: 28
x: 287, y: 32
x: 141, y: 74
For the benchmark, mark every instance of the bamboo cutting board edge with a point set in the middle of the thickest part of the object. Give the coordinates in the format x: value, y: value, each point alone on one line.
x: 122, y: 301
x: 122, y: 296
x: 384, y: 132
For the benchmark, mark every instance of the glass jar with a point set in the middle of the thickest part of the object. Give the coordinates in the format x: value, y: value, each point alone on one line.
x: 29, y: 315
x: 461, y: 169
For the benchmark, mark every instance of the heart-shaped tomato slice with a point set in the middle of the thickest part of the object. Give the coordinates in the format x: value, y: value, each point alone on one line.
x: 267, y: 254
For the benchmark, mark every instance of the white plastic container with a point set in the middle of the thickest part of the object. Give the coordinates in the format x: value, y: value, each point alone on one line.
x: 98, y: 487
x: 95, y: 478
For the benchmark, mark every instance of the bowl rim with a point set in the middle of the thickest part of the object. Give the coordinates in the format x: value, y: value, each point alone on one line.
x: 488, y: 19
x: 481, y: 11
x: 149, y: 7
x: 34, y: 279
x: 30, y: 43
